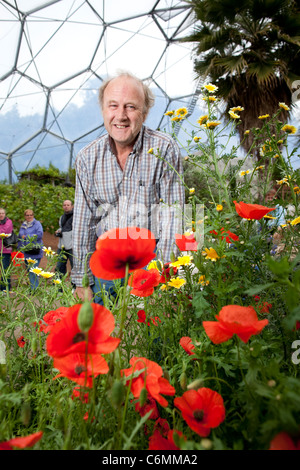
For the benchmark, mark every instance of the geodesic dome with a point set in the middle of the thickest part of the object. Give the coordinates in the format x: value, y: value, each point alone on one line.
x: 56, y: 53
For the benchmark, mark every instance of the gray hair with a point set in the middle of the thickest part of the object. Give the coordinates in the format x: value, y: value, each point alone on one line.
x: 149, y: 96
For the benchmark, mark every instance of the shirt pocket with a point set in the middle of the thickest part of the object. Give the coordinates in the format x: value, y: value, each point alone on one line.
x: 148, y: 195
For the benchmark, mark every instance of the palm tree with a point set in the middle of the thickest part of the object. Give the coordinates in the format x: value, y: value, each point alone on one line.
x: 250, y: 50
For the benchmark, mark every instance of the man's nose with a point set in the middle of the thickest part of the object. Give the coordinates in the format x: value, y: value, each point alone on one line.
x: 121, y: 113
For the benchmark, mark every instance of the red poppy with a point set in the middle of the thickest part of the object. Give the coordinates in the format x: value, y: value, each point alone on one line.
x: 283, y: 441
x: 22, y: 442
x: 143, y: 282
x: 79, y: 369
x: 186, y: 242
x: 167, y: 273
x: 230, y: 237
x: 151, y: 377
x: 187, y: 345
x: 142, y: 318
x: 77, y: 393
x: 52, y: 317
x: 119, y: 247
x: 202, y: 409
x: 150, y: 405
x: 265, y: 307
x: 252, y: 211
x: 158, y: 442
x: 65, y: 336
x: 21, y: 342
x: 16, y: 256
x: 297, y: 325
x: 234, y: 319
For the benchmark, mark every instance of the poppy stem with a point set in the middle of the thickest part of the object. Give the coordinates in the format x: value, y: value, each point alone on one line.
x: 125, y: 302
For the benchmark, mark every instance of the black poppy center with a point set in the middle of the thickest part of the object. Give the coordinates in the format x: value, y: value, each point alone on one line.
x: 198, y: 415
x: 78, y: 337
x: 79, y: 369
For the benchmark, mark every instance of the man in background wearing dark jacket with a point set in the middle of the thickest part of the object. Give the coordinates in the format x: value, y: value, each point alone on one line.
x: 64, y: 233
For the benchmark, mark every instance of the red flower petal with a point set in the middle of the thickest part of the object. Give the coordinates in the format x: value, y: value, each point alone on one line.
x: 283, y: 441
x: 202, y: 409
x: 65, y: 336
x: 27, y: 441
x: 121, y: 246
x: 186, y: 242
x: 77, y: 368
x: 187, y: 345
x: 252, y: 211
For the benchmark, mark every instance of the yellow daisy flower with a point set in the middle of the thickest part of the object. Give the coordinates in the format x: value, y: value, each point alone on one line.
x: 203, y: 281
x: 150, y: 150
x: 46, y: 274
x: 36, y: 271
x: 284, y: 106
x: 48, y: 251
x: 182, y: 112
x: 296, y: 189
x: 169, y: 113
x: 176, y: 282
x: 247, y: 132
x: 176, y: 118
x: 31, y: 261
x: 264, y: 116
x: 182, y: 261
x: 210, y: 87
x: 56, y: 281
x: 4, y: 235
x: 212, y: 124
x: 289, y: 129
x: 210, y: 98
x: 219, y: 207
x: 196, y: 139
x: 152, y: 265
x: 202, y: 120
x: 237, y: 109
x: 295, y: 221
x: 210, y: 253
x: 233, y: 114
x: 192, y: 190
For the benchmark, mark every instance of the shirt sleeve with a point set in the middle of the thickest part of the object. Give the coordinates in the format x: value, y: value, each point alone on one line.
x: 84, y: 223
x: 172, y: 196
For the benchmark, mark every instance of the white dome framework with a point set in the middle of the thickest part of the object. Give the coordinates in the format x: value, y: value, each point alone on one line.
x: 54, y: 56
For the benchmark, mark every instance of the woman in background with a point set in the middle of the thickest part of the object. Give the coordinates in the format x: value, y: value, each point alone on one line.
x: 6, y: 226
x: 31, y: 244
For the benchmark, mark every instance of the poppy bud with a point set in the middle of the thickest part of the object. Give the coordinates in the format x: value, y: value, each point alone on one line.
x: 34, y: 345
x: 85, y: 280
x: 26, y: 413
x: 85, y: 317
x: 195, y: 385
x: 183, y: 380
x: 3, y: 371
x: 143, y: 397
x: 166, y: 375
x: 117, y: 393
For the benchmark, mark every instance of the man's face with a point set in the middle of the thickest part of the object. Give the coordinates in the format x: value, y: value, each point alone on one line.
x: 67, y: 206
x: 2, y: 214
x: 123, y: 110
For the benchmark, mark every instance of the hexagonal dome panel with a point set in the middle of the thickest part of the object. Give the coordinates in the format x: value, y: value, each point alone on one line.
x: 55, y: 55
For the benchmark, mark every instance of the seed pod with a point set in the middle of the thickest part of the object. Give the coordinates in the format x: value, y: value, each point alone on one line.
x: 183, y: 380
x: 85, y: 280
x: 195, y: 385
x: 34, y: 345
x: 143, y: 397
x: 85, y: 317
x: 117, y: 393
x: 26, y: 413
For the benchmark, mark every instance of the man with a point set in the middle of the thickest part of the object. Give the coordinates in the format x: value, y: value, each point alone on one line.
x: 64, y: 233
x: 121, y: 182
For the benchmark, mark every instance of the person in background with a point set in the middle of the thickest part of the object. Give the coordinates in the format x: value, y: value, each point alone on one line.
x: 6, y: 226
x: 31, y: 244
x: 120, y: 182
x: 64, y: 233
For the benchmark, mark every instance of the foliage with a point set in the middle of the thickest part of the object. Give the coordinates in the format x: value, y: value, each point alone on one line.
x: 257, y: 378
x: 250, y: 50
